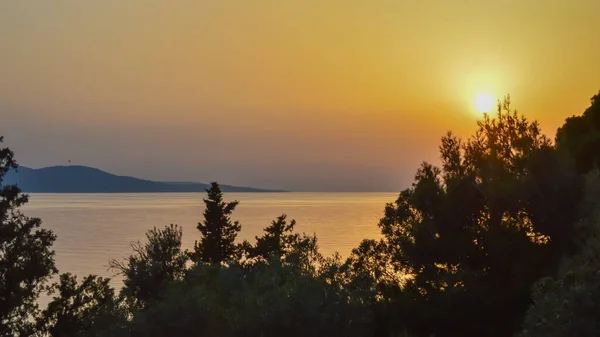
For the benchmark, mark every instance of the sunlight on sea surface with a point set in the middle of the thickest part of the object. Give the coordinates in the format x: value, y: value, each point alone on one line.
x: 93, y: 228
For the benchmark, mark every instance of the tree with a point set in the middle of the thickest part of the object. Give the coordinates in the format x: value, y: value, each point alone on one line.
x: 568, y: 304
x: 280, y: 244
x: 469, y: 238
x: 86, y: 309
x: 153, y: 266
x: 26, y: 258
x: 277, y: 240
x: 580, y: 135
x: 266, y: 300
x: 218, y: 231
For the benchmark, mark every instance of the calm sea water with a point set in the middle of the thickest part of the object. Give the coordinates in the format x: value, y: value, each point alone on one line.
x: 93, y: 228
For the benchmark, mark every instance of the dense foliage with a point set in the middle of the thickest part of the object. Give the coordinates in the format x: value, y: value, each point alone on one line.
x: 85, y: 309
x: 26, y: 258
x: 501, y: 239
x: 474, y: 234
x: 153, y: 266
x: 568, y: 304
x: 580, y: 135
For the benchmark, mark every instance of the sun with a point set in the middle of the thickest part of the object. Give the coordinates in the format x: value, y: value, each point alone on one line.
x: 484, y: 102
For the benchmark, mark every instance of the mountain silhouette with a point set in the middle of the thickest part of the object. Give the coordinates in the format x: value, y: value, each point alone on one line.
x: 83, y: 179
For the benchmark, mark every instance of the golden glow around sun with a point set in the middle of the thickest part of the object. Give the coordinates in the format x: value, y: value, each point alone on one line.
x: 484, y: 102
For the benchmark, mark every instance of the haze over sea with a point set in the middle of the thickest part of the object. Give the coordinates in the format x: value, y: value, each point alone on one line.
x: 93, y: 228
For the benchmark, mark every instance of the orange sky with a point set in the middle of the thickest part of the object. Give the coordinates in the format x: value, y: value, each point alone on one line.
x: 302, y: 95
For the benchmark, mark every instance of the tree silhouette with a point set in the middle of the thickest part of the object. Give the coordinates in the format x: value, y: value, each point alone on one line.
x: 26, y: 258
x: 218, y: 231
x: 473, y: 235
x: 152, y: 266
x: 276, y: 241
x: 281, y: 245
x: 86, y: 309
x: 568, y: 304
x: 580, y: 135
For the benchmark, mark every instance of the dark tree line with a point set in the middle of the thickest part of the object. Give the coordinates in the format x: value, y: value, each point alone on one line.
x: 501, y: 239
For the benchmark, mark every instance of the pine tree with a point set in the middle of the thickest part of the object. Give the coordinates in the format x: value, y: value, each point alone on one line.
x: 218, y: 230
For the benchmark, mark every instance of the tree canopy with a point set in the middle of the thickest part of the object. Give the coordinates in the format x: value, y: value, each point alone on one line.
x: 500, y: 239
x: 469, y: 238
x: 580, y: 136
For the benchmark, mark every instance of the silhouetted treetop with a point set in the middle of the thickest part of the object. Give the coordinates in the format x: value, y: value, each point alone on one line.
x: 218, y: 231
x: 580, y: 135
x: 475, y: 233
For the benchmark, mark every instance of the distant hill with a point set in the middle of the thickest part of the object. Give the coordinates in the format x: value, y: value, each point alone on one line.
x: 83, y: 179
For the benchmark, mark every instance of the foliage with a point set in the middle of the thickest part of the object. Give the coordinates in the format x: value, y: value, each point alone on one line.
x: 26, y: 258
x: 460, y: 252
x: 286, y: 288
x: 152, y: 266
x: 569, y: 304
x: 281, y: 245
x: 277, y: 241
x: 467, y: 240
x: 218, y: 231
x: 266, y: 300
x: 86, y: 309
x: 580, y: 135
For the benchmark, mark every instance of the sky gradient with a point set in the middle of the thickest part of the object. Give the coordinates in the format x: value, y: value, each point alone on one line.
x: 301, y: 95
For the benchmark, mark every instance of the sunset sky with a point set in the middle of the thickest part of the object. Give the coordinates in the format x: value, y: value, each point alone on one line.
x: 312, y: 95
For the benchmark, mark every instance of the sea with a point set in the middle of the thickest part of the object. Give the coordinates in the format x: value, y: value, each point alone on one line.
x: 94, y: 228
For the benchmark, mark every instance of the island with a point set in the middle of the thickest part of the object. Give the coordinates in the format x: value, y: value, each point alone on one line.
x: 83, y: 179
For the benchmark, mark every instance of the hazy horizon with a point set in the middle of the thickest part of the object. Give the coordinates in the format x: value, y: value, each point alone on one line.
x: 305, y: 96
